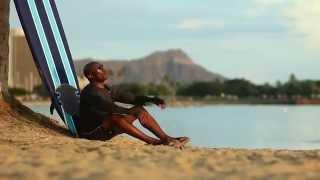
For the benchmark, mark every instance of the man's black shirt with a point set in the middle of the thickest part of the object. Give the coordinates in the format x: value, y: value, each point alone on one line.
x: 97, y: 103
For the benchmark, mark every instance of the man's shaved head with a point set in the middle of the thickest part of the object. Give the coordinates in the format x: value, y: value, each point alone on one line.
x: 88, y: 68
x: 95, y: 72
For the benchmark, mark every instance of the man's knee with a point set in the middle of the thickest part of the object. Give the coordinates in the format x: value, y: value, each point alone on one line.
x: 138, y: 111
x: 142, y: 115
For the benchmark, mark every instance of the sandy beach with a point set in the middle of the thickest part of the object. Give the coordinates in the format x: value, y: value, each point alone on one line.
x: 34, y: 147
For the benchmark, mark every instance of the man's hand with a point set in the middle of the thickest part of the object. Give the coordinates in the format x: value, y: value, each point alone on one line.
x: 159, y: 102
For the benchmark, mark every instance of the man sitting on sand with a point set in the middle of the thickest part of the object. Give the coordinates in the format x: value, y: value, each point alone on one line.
x: 102, y: 119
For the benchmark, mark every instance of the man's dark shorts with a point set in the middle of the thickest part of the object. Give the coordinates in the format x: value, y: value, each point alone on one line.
x: 100, y: 133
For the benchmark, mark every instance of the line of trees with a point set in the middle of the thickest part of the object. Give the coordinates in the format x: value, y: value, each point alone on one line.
x: 151, y: 89
x: 239, y: 88
x: 243, y: 88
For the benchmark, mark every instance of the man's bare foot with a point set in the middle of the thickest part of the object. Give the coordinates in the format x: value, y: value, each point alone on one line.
x: 156, y: 142
x: 184, y: 140
x: 178, y: 142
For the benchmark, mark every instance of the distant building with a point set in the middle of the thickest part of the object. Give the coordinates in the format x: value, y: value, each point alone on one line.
x: 22, y: 70
x: 23, y: 73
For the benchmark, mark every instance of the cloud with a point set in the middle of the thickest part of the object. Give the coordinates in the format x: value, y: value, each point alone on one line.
x: 263, y: 7
x: 196, y: 24
x: 300, y: 16
x: 270, y: 2
x: 303, y: 17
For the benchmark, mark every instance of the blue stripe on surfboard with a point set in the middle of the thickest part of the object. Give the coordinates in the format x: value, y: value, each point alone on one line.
x: 48, y: 55
x: 59, y: 42
x: 63, y: 37
x: 51, y: 41
x: 70, y: 123
x: 44, y: 43
x: 63, y: 57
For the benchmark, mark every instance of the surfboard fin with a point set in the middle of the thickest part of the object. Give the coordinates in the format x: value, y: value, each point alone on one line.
x: 51, y: 107
x: 69, y: 98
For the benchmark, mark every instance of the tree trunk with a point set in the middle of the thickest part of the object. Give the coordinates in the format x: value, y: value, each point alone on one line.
x: 4, y: 46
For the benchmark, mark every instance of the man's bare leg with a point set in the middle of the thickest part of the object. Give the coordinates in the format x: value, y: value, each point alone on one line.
x: 126, y: 126
x: 151, y: 124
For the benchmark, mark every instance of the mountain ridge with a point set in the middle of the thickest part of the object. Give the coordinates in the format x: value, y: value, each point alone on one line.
x: 174, y: 64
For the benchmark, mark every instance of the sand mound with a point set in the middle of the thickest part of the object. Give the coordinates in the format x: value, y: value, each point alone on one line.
x: 34, y: 147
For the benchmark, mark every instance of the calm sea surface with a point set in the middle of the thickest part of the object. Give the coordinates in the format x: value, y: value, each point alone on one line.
x: 239, y: 126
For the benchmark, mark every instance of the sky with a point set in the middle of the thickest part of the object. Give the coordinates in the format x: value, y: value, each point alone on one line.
x: 259, y: 40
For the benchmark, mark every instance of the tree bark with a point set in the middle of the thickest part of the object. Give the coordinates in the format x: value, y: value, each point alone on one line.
x: 4, y: 46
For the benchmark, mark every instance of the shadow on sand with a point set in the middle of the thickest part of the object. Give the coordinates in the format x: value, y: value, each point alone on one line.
x: 37, y: 118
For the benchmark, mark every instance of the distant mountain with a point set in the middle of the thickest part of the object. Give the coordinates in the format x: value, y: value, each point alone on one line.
x: 173, y: 64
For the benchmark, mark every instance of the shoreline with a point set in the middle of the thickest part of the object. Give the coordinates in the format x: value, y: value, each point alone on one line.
x: 188, y: 103
x: 33, y: 147
x: 35, y: 103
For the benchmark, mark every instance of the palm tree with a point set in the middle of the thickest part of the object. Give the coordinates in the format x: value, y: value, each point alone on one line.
x: 4, y: 47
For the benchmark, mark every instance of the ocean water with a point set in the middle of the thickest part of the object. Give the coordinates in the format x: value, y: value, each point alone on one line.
x: 239, y: 126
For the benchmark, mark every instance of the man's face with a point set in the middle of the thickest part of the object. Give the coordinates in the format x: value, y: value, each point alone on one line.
x: 98, y: 73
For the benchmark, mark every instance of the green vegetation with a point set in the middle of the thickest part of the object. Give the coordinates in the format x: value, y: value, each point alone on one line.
x: 201, y: 89
x: 18, y: 91
x: 242, y: 89
x: 151, y: 89
x: 231, y: 91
